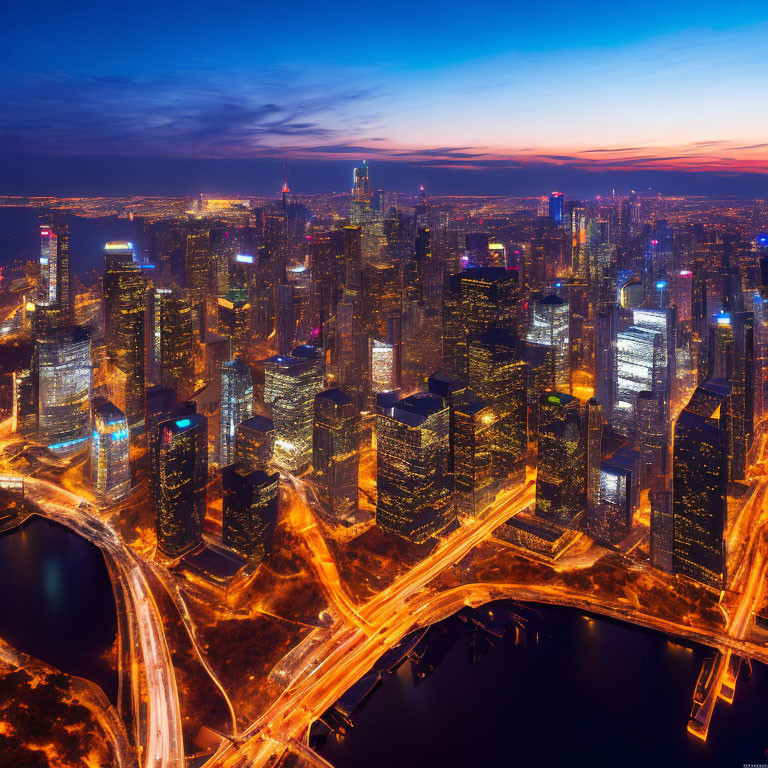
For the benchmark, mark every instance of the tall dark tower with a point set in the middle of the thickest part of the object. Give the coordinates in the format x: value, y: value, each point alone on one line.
x: 125, y: 303
x: 179, y: 471
x: 700, y: 481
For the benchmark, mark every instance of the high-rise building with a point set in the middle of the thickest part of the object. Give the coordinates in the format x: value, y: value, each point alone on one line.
x: 661, y: 530
x: 550, y: 328
x: 234, y: 319
x: 290, y: 386
x: 336, y: 451
x: 255, y: 441
x: 499, y: 378
x: 250, y: 509
x: 413, y: 447
x: 285, y: 318
x: 732, y: 357
x: 610, y: 519
x: 196, y: 260
x: 652, y: 437
x: 236, y: 405
x: 605, y: 359
x: 476, y: 300
x: 577, y: 225
x: 173, y: 335
x: 472, y: 420
x: 179, y: 471
x: 110, y: 452
x: 556, y: 207
x: 125, y: 304
x: 641, y: 365
x: 700, y: 481
x: 360, y: 206
x: 63, y: 370
x: 561, y: 483
x: 383, y: 366
x: 56, y: 291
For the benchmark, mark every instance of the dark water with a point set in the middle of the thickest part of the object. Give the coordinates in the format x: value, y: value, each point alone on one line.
x: 56, y: 600
x: 20, y: 238
x: 587, y: 693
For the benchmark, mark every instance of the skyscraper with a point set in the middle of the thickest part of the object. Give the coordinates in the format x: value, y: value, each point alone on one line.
x: 476, y: 300
x: 700, y: 480
x: 250, y: 509
x: 290, y: 386
x: 336, y: 451
x: 732, y: 357
x: 360, y: 206
x: 499, y: 378
x: 173, y: 348
x: 413, y: 447
x: 196, y: 259
x: 63, y: 370
x: 550, y: 328
x: 577, y: 224
x: 236, y: 405
x: 124, y: 293
x: 556, y: 207
x: 110, y: 452
x: 179, y: 476
x: 255, y: 441
x: 472, y: 444
x: 234, y: 319
x: 641, y: 364
x: 55, y: 289
x: 561, y: 483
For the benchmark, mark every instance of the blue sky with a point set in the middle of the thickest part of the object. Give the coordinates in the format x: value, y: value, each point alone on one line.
x: 437, y: 90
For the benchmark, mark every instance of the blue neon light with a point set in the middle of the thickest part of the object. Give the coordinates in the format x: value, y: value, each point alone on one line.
x: 183, y: 423
x: 661, y: 285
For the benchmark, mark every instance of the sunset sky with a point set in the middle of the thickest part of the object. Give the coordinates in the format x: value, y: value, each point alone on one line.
x: 110, y: 98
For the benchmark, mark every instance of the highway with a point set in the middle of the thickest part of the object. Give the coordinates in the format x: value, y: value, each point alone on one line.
x: 160, y: 740
x: 348, y: 652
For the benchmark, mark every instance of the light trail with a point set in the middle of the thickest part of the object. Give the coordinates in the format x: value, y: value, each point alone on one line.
x: 163, y: 743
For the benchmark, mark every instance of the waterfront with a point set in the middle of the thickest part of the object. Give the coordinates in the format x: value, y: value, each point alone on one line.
x: 57, y: 603
x: 586, y: 692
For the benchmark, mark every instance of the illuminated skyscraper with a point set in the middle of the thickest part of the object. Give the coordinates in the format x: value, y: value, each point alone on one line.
x: 700, y: 481
x: 55, y: 289
x: 251, y: 503
x: 236, y: 405
x: 110, y: 465
x: 605, y: 359
x: 382, y: 366
x: 550, y: 328
x: 255, y: 441
x: 499, y: 378
x: 173, y: 341
x: 472, y: 442
x: 125, y: 300
x: 661, y: 529
x: 336, y: 451
x: 63, y: 369
x: 561, y: 483
x: 732, y: 357
x: 610, y: 518
x: 234, y: 319
x: 360, y: 206
x: 652, y: 439
x: 476, y: 300
x: 577, y: 224
x: 641, y: 364
x: 556, y: 207
x: 290, y: 386
x: 179, y: 476
x: 413, y: 447
x: 196, y: 260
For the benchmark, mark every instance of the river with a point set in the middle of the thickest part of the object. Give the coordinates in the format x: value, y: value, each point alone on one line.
x: 579, y: 692
x: 56, y: 600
